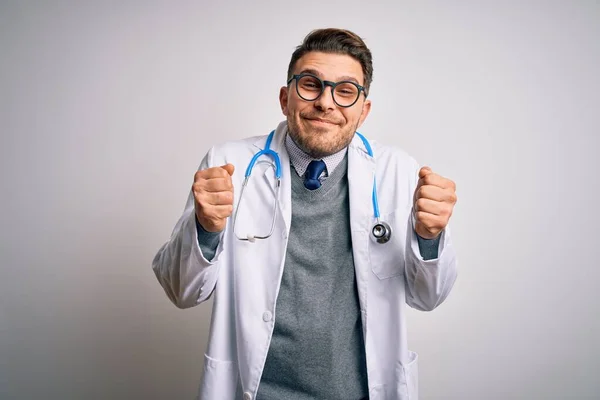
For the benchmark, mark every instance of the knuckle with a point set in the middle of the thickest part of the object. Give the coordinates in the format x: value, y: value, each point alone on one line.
x: 197, y: 181
x: 215, y: 185
x: 200, y: 197
x: 201, y: 218
x: 218, y: 197
x: 221, y: 172
x: 225, y: 212
x: 207, y: 209
x: 198, y: 189
x: 433, y: 224
x: 202, y: 210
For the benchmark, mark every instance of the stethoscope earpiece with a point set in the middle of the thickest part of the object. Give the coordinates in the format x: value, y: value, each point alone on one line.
x: 381, y: 232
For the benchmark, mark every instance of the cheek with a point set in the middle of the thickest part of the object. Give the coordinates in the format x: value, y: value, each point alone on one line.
x: 289, y: 105
x: 289, y: 108
x: 297, y: 106
x: 351, y: 117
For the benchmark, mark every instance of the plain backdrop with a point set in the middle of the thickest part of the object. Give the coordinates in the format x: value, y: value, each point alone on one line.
x: 107, y: 107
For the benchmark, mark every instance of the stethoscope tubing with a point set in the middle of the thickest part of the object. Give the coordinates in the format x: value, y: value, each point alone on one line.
x: 267, y: 151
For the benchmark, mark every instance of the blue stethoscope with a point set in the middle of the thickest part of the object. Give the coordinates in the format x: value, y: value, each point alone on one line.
x: 381, y: 231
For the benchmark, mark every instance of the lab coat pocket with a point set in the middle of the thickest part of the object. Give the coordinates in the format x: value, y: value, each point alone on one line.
x: 405, y: 384
x: 387, y: 259
x: 410, y: 372
x: 220, y: 379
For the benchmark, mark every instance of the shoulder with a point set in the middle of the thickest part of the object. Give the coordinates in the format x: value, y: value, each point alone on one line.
x: 387, y: 156
x: 233, y: 146
x: 394, y: 164
x: 233, y: 152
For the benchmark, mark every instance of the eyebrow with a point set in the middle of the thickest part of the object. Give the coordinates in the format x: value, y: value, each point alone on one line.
x: 317, y: 73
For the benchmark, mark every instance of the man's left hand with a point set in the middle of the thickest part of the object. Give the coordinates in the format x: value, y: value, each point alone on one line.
x: 433, y: 202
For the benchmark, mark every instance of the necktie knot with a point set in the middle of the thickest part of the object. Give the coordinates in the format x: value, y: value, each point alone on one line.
x: 313, y: 171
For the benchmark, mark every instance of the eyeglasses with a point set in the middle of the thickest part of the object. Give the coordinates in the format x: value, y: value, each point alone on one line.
x: 310, y: 87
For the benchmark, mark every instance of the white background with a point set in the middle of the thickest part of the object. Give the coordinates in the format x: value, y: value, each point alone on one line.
x: 106, y: 109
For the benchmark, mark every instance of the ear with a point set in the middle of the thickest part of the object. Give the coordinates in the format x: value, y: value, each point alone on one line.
x: 366, y: 109
x: 283, y: 100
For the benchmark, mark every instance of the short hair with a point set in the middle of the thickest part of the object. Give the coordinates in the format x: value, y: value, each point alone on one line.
x: 338, y: 41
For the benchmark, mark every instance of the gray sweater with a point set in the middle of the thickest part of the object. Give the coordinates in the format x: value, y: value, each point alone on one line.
x: 317, y: 348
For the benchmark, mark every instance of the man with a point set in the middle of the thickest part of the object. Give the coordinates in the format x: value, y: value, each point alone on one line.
x: 316, y: 310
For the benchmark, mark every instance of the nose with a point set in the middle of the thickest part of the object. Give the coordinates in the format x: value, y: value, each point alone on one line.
x: 325, y: 101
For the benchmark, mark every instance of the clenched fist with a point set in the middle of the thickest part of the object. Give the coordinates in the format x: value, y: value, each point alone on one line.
x: 213, y: 197
x: 434, y: 200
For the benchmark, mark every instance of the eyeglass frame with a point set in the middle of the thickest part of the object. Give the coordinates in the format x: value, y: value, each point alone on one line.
x: 324, y: 84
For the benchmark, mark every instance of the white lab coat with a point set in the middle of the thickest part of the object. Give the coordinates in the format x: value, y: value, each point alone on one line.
x: 245, y: 277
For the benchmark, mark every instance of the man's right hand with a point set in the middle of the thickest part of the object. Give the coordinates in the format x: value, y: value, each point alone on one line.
x: 213, y: 197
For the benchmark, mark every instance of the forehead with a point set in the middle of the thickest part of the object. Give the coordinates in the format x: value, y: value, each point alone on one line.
x: 330, y: 66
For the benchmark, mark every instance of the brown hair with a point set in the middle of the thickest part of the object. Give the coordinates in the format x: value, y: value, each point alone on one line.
x: 340, y: 41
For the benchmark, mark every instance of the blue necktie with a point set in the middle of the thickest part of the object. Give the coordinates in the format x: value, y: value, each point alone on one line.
x: 314, y: 170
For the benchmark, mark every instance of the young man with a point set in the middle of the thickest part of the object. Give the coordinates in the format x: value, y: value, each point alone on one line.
x: 311, y: 274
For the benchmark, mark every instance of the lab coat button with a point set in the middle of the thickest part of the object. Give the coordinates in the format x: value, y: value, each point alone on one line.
x: 247, y: 396
x: 267, y: 316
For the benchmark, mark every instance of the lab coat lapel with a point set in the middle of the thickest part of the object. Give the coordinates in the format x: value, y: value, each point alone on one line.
x: 285, y: 191
x: 361, y: 173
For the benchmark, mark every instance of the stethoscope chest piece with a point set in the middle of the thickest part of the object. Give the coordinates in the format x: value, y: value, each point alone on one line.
x: 381, y: 232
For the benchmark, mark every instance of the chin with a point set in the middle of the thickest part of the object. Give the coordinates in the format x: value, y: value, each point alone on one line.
x: 329, y: 130
x: 320, y: 149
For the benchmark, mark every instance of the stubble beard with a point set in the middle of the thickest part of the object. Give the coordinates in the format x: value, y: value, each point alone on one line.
x: 304, y: 142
